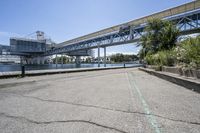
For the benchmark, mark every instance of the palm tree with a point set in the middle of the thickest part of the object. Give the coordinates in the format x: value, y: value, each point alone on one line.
x: 169, y: 36
x: 159, y: 35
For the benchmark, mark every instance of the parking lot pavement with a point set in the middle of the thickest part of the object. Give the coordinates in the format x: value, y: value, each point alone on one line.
x: 107, y: 101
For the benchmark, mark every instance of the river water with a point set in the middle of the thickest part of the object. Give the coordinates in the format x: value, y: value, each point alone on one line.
x: 17, y: 67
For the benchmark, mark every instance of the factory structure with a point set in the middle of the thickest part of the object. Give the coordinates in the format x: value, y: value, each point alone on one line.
x: 31, y: 50
x: 6, y: 57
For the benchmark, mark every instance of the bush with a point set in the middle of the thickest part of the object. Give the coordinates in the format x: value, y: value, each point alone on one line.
x: 149, y: 59
x: 161, y: 58
x: 188, y: 53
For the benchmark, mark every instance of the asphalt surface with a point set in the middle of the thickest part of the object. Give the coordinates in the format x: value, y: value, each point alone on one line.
x: 107, y: 101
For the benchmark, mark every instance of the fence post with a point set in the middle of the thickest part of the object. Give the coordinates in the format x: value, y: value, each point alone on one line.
x: 22, y: 71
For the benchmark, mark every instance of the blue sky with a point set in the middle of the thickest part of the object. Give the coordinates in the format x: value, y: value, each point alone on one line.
x: 66, y: 19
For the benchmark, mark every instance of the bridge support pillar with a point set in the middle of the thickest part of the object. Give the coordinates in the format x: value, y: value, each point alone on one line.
x: 32, y: 61
x: 42, y: 60
x: 38, y: 60
x: 29, y: 61
x: 78, y: 60
x: 104, y: 57
x: 56, y: 61
x: 98, y: 56
x: 62, y: 60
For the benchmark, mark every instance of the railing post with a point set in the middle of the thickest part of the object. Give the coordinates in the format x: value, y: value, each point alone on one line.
x: 22, y: 71
x: 22, y: 68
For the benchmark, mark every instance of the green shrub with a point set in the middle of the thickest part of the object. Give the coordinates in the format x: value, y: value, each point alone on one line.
x: 149, y: 59
x: 161, y: 58
x: 188, y: 53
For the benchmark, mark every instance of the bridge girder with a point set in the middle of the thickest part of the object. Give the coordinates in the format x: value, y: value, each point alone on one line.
x: 187, y: 23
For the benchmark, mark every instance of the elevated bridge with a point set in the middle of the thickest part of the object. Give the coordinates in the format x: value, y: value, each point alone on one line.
x: 186, y: 17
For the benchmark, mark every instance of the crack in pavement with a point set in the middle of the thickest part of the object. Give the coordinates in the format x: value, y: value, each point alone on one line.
x: 70, y: 103
x: 14, y: 84
x: 63, y: 78
x: 24, y: 90
x: 21, y: 118
x: 34, y: 82
x: 175, y: 120
x: 104, y: 108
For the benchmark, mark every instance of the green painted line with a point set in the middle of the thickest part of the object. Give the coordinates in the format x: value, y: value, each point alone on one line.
x: 150, y: 117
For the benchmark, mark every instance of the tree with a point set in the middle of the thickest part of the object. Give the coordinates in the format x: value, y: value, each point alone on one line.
x: 59, y: 60
x: 150, y: 41
x: 159, y: 35
x: 88, y: 60
x: 123, y: 58
x: 169, y: 36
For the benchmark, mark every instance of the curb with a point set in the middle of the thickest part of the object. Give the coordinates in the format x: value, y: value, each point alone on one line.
x: 187, y: 83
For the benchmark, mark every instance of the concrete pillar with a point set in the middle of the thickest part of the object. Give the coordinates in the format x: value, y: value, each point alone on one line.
x: 32, y: 61
x: 104, y: 57
x: 21, y: 61
x: 78, y: 60
x: 42, y: 60
x: 35, y: 61
x: 38, y: 60
x: 98, y: 56
x: 62, y: 60
x: 28, y: 60
x: 56, y: 62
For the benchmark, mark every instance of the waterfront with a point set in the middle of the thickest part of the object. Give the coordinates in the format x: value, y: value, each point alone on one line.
x: 17, y: 67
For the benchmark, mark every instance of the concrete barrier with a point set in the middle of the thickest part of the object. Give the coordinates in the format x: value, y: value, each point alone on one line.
x: 191, y: 84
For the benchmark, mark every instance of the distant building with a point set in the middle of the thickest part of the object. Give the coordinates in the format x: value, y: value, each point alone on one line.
x: 4, y: 49
x: 27, y: 46
x: 32, y: 50
x: 5, y: 56
x: 9, y: 59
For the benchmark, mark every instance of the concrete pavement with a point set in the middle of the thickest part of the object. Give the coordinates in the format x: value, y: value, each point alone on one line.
x: 108, y: 101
